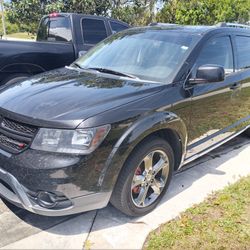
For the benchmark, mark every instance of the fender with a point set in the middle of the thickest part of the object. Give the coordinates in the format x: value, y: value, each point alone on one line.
x: 133, y: 136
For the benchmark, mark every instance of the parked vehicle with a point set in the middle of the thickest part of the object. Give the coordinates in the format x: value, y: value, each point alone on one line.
x: 61, y: 39
x: 118, y: 122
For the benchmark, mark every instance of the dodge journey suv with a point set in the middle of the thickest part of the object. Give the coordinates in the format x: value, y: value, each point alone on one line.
x: 116, y: 124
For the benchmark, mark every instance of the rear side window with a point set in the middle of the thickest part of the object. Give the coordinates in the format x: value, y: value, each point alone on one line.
x: 217, y: 51
x: 243, y: 51
x: 117, y: 27
x: 94, y: 30
x: 55, y: 29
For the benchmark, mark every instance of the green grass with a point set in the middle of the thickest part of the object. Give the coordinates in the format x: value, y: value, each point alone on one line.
x: 221, y: 222
x: 22, y: 35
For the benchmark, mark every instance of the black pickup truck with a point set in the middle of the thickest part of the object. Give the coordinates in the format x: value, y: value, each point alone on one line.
x: 61, y: 38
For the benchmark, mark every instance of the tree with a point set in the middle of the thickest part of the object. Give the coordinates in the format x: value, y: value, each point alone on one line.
x: 29, y: 12
x: 137, y: 12
x: 26, y: 12
x: 206, y: 12
x: 168, y: 13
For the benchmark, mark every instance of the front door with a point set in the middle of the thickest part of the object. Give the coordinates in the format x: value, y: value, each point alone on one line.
x: 214, y: 105
x: 242, y: 44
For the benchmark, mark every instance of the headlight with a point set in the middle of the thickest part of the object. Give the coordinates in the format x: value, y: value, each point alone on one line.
x: 79, y: 141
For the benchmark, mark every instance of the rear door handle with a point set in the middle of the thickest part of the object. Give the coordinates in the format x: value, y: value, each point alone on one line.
x: 235, y: 86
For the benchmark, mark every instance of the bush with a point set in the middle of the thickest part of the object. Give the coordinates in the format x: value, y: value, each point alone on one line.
x: 10, y: 28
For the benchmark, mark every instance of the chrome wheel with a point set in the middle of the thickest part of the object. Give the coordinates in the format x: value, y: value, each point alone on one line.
x: 150, y: 178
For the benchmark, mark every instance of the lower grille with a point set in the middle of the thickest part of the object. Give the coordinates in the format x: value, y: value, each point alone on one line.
x: 15, y: 137
x: 6, y: 185
x: 11, y: 145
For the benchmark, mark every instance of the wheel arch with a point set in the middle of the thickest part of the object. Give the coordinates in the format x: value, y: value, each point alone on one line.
x: 10, y: 71
x: 22, y: 68
x: 165, y: 125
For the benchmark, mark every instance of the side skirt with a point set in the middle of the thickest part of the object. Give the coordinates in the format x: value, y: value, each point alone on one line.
x: 196, y: 156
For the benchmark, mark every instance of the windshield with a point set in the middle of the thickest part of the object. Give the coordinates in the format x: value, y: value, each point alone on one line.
x: 153, y: 55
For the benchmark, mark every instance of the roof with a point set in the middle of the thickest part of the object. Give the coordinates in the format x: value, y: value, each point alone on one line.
x: 55, y: 14
x: 198, y: 29
x: 177, y: 28
x: 187, y: 28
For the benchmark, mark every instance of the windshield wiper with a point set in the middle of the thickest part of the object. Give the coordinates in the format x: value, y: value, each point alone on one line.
x: 113, y: 72
x: 77, y: 65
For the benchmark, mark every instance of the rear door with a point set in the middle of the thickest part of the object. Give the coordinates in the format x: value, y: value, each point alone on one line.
x: 214, y: 105
x: 94, y: 30
x: 242, y: 44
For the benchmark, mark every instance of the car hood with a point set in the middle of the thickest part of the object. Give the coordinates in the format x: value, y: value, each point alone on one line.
x: 71, y: 96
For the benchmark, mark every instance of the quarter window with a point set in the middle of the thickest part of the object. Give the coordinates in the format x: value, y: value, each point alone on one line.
x: 217, y: 51
x: 117, y: 27
x: 94, y: 31
x: 243, y: 51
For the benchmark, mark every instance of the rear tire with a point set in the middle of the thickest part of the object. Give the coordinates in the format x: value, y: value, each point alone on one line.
x: 152, y: 181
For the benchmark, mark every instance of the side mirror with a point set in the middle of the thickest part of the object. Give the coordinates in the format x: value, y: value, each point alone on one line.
x: 208, y: 73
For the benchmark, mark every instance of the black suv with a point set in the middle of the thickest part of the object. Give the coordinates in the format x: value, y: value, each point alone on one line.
x: 118, y: 122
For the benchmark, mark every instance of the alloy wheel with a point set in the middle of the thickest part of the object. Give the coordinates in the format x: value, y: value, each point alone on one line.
x: 150, y: 178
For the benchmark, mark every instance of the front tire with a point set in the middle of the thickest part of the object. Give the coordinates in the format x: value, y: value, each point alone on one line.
x: 144, y: 178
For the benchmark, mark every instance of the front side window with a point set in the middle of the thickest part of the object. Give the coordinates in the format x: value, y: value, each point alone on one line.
x: 55, y: 29
x: 94, y: 30
x: 154, y: 55
x: 217, y: 51
x: 243, y: 51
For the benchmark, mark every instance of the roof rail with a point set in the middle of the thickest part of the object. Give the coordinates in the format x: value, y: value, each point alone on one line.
x: 233, y: 25
x: 163, y: 24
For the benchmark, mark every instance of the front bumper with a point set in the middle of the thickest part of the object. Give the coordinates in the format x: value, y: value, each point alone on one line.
x: 14, y: 192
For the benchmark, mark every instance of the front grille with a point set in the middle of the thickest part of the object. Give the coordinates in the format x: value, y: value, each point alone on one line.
x: 15, y: 137
x: 18, y: 127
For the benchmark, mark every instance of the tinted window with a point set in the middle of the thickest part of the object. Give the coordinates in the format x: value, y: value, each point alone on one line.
x: 94, y: 31
x: 55, y: 29
x: 217, y: 51
x: 116, y: 27
x: 243, y: 50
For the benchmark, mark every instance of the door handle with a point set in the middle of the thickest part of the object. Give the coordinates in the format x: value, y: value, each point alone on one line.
x: 235, y: 86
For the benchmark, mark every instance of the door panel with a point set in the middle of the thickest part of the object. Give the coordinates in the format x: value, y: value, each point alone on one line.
x: 244, y: 107
x: 214, y: 114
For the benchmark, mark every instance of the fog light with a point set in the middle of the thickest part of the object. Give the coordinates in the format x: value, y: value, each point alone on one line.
x: 46, y: 199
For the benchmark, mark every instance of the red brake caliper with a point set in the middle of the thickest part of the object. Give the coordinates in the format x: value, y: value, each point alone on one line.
x: 136, y: 189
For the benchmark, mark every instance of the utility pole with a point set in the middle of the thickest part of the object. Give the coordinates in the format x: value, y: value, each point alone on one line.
x: 43, y: 3
x: 3, y: 19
